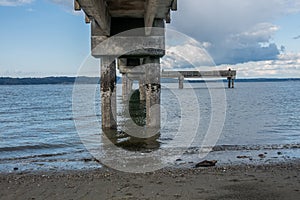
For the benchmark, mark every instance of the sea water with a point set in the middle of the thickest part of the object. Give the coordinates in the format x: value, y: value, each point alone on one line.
x: 38, y: 132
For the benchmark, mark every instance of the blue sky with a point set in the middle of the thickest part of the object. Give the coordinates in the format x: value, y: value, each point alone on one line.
x: 259, y: 38
x: 42, y: 38
x: 289, y: 32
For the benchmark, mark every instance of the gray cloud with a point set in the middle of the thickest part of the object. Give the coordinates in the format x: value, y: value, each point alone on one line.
x: 238, y: 31
x: 14, y: 2
x: 297, y: 37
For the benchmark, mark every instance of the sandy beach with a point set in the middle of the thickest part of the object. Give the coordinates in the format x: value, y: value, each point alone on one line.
x: 276, y: 181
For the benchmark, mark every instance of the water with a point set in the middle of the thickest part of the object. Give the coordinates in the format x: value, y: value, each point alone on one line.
x: 37, y: 129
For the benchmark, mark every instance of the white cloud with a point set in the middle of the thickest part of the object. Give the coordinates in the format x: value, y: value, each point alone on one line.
x: 238, y: 31
x: 188, y: 54
x: 191, y: 55
x: 290, y: 6
x: 287, y: 65
x: 183, y: 52
x: 30, y: 10
x: 14, y: 2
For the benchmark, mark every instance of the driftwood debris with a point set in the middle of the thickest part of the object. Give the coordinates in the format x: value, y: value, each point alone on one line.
x: 206, y: 163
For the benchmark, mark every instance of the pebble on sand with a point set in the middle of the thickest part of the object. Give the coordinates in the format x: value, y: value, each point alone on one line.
x: 243, y: 157
x: 206, y: 163
x: 262, y: 155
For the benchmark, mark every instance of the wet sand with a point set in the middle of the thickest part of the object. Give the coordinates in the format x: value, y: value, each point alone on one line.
x: 276, y: 181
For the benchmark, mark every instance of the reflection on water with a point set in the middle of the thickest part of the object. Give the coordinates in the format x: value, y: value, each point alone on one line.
x: 139, y: 141
x: 131, y: 143
x: 137, y: 109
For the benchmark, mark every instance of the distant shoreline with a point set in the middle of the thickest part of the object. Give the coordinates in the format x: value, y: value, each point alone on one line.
x: 63, y: 80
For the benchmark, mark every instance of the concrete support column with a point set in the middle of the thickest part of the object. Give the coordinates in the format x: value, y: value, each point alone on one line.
x: 129, y: 86
x: 229, y: 82
x: 153, y: 90
x: 108, y: 93
x: 142, y: 89
x: 126, y: 86
x: 181, y: 80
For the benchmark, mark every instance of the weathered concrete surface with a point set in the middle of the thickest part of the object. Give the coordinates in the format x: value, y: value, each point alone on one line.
x: 126, y: 87
x: 139, y: 46
x: 97, y: 10
x: 102, y: 12
x: 153, y: 91
x: 142, y: 88
x: 230, y: 82
x: 108, y: 93
x: 181, y: 80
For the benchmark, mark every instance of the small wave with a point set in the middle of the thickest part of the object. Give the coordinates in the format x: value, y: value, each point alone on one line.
x: 26, y: 147
x: 63, y: 119
x: 34, y: 156
x: 46, y: 155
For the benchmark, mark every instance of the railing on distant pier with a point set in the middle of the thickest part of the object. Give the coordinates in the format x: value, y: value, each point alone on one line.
x: 199, y: 74
x: 181, y: 75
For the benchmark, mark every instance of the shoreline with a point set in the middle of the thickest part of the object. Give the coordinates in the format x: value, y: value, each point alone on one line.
x: 187, y: 160
x: 267, y: 181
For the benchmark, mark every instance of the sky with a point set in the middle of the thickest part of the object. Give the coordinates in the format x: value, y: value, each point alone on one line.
x: 258, y: 38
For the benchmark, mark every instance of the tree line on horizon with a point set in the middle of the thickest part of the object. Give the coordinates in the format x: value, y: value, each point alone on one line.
x: 93, y: 80
x: 48, y: 80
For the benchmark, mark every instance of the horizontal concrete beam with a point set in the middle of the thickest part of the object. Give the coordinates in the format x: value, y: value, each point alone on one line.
x: 97, y: 10
x: 138, y: 46
x: 103, y: 10
x: 127, y: 65
x: 174, y: 5
x: 77, y: 6
x: 136, y: 76
x: 150, y: 12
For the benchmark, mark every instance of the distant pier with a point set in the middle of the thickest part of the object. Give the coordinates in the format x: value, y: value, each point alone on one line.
x: 181, y: 75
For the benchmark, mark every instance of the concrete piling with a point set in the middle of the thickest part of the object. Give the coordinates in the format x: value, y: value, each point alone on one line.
x: 126, y: 86
x: 153, y: 90
x: 181, y: 80
x: 142, y: 88
x: 229, y: 82
x: 108, y: 93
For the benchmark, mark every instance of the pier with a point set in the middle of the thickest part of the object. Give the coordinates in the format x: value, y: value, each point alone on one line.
x: 108, y: 18
x: 181, y: 75
x: 136, y: 54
